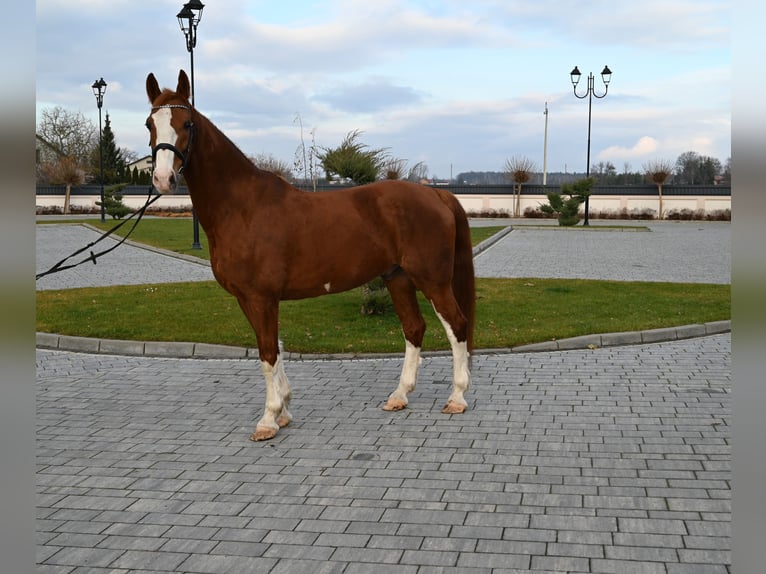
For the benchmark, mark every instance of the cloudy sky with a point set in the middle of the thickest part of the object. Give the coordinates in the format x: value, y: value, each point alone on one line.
x: 460, y: 86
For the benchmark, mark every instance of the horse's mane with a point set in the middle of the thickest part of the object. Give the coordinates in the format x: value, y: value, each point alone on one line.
x: 168, y: 96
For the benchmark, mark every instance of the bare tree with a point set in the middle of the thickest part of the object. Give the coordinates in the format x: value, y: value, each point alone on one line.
x: 520, y: 170
x: 626, y: 167
x: 418, y: 172
x: 305, y: 161
x: 394, y: 168
x: 62, y: 133
x: 65, y: 170
x: 268, y: 162
x: 658, y: 171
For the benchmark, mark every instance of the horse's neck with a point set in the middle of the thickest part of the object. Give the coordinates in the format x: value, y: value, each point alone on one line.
x: 218, y: 176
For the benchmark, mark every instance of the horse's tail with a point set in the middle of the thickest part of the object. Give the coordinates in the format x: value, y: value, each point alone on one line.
x: 463, y: 279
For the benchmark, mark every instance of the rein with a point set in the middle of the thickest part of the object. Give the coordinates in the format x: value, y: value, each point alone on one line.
x: 183, y: 156
x: 94, y: 256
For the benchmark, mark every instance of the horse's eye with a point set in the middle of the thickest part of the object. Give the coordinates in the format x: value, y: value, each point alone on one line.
x: 148, y: 125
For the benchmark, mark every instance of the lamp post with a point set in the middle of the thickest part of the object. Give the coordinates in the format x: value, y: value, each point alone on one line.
x: 606, y: 76
x: 99, y: 89
x: 188, y: 19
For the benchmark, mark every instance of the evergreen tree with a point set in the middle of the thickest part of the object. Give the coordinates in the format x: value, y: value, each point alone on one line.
x: 567, y: 209
x: 113, y: 202
x: 114, y: 157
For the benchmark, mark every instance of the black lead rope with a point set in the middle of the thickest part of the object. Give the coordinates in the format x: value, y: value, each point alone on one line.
x: 94, y: 256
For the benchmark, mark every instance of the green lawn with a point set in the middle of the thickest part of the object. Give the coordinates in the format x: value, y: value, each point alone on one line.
x: 510, y: 312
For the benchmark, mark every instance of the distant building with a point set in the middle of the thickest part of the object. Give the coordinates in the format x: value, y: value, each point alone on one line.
x: 143, y: 165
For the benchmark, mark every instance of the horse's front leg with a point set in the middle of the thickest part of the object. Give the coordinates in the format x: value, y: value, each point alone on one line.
x: 263, y: 316
x: 278, y: 394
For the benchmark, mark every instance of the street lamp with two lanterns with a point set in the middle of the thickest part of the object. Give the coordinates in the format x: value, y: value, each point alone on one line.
x: 590, y: 93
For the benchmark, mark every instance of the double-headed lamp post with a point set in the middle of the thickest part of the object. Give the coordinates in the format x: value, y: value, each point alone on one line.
x: 606, y: 76
x: 188, y: 19
x: 99, y: 89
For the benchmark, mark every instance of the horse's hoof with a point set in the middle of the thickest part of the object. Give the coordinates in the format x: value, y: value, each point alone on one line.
x: 453, y: 408
x: 283, y: 421
x: 263, y: 433
x: 394, y: 405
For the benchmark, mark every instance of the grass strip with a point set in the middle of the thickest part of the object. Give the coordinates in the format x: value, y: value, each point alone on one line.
x: 510, y: 312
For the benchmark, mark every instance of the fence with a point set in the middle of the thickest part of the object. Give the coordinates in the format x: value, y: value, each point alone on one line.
x: 497, y: 199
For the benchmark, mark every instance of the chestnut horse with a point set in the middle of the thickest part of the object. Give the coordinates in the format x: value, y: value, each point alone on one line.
x: 270, y: 241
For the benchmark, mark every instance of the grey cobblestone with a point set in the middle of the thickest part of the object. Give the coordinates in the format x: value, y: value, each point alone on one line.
x: 673, y: 252
x: 611, y: 459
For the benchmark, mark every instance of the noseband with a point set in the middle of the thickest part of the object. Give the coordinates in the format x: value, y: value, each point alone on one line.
x: 183, y: 156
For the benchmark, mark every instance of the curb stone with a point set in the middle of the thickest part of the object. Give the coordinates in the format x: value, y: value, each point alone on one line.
x: 191, y: 350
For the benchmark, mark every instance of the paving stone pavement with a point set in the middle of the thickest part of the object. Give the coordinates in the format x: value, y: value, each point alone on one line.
x: 126, y: 265
x: 676, y: 252
x: 604, y: 460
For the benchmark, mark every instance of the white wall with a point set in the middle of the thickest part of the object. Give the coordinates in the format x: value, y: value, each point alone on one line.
x: 471, y: 203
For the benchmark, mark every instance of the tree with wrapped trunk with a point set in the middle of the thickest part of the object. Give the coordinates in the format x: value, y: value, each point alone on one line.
x: 65, y: 170
x: 520, y: 170
x: 658, y: 172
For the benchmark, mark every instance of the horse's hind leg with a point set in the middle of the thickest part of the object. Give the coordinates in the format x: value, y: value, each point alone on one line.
x: 405, y: 302
x: 263, y: 316
x: 455, y: 325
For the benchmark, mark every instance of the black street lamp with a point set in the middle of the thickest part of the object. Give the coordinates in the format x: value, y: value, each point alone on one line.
x: 606, y: 76
x: 188, y: 19
x: 99, y: 89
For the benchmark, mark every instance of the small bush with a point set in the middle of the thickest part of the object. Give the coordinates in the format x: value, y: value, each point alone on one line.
x: 489, y: 213
x: 719, y: 215
x: 568, y: 209
x: 537, y: 213
x: 641, y: 214
x: 48, y: 210
x: 113, y: 202
x: 376, y: 299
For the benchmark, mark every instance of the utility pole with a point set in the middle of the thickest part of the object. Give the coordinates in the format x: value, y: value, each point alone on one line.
x: 545, y: 147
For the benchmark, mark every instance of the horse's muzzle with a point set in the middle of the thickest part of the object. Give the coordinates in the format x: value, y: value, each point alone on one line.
x: 165, y: 181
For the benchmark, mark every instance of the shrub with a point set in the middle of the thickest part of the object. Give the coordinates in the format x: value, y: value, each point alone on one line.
x: 537, y: 213
x: 113, y: 202
x: 489, y: 213
x: 376, y: 299
x: 567, y: 210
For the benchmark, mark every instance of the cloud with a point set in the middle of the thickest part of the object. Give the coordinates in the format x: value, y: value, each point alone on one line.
x: 374, y: 95
x: 678, y: 25
x: 645, y: 146
x: 346, y: 35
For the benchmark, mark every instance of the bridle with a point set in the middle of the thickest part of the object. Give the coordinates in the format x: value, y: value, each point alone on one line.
x: 189, y: 125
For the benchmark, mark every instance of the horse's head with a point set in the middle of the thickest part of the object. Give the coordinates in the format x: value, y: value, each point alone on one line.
x: 171, y: 130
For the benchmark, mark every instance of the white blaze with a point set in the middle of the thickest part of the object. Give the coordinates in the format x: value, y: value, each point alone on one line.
x: 163, y: 167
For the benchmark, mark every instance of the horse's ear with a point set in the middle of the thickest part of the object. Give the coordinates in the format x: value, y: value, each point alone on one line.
x: 152, y: 88
x: 183, y: 88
